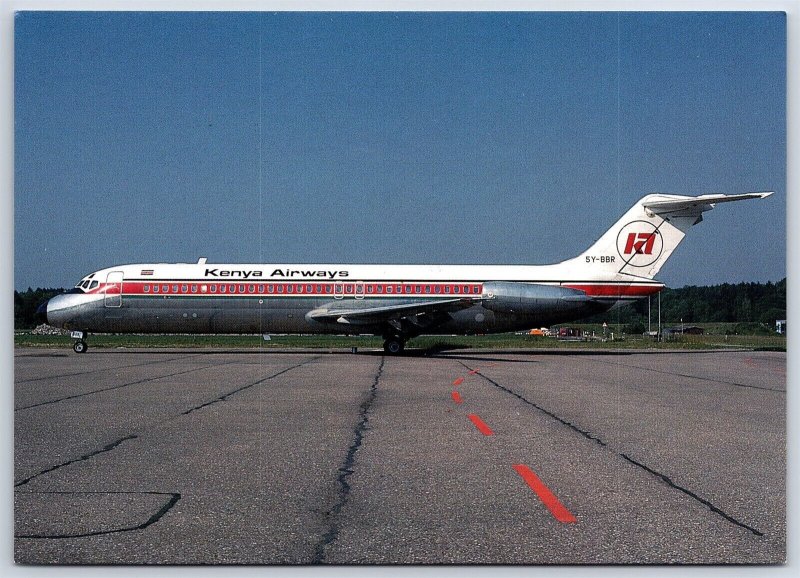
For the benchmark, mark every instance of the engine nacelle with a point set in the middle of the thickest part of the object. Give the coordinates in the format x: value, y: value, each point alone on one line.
x: 528, y: 299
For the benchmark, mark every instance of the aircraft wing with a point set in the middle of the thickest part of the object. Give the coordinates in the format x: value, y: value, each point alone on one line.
x: 423, y: 314
x: 697, y: 204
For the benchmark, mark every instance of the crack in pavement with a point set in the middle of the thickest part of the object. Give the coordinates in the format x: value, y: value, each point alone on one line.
x: 570, y: 425
x: 113, y: 387
x: 105, y: 369
x: 106, y: 448
x: 712, y: 380
x: 346, y: 470
x: 664, y: 478
x: 110, y: 446
x: 225, y: 396
x: 174, y: 498
x: 691, y: 494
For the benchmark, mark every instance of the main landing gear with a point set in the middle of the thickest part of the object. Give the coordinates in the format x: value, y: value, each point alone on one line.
x: 394, y: 345
x: 80, y: 346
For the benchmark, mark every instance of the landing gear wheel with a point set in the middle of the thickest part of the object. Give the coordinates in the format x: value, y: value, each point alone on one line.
x: 394, y: 345
x: 80, y: 346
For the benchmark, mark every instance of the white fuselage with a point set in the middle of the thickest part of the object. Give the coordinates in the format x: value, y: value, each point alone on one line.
x: 249, y: 298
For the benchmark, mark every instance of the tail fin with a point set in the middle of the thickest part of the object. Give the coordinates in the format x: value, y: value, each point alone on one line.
x: 639, y: 243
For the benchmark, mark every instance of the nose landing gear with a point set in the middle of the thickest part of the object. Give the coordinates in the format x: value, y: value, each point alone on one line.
x: 80, y: 346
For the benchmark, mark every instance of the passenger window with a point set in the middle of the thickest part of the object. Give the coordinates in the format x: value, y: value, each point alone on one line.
x: 252, y: 288
x: 194, y: 288
x: 408, y: 288
x: 309, y: 288
x: 417, y: 289
x: 290, y: 288
x: 427, y: 288
x: 174, y: 288
x: 165, y: 288
x: 213, y: 288
x: 261, y: 289
x: 155, y: 288
x: 380, y: 288
x: 327, y: 288
x: 223, y: 288
x: 271, y: 288
x: 389, y: 289
x: 457, y: 289
x: 280, y: 288
x: 147, y: 288
x: 299, y: 288
x: 437, y: 289
x: 447, y: 288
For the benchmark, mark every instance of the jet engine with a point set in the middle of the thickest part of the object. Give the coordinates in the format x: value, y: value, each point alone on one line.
x: 543, y: 302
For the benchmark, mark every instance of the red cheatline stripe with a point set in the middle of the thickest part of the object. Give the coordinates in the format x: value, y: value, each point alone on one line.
x: 458, y: 381
x: 547, y: 497
x: 482, y: 427
x: 457, y: 397
x: 601, y: 290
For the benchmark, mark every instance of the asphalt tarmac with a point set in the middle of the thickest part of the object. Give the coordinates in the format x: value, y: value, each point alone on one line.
x: 261, y: 457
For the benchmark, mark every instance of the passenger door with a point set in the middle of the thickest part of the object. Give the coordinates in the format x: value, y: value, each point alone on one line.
x: 113, y: 295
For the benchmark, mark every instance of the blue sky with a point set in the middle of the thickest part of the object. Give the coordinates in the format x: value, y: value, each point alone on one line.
x: 392, y: 138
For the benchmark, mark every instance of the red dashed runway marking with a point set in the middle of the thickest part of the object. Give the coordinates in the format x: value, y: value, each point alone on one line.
x: 544, y: 494
x: 547, y: 497
x: 479, y: 423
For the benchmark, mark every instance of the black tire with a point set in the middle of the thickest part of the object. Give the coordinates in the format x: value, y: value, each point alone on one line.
x: 394, y: 346
x: 80, y: 347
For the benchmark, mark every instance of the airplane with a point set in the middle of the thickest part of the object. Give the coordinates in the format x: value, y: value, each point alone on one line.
x: 398, y: 302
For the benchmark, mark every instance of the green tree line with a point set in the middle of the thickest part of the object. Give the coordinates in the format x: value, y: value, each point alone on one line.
x: 740, y: 303
x: 26, y: 303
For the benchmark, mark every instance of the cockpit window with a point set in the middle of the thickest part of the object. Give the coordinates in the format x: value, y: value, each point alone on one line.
x: 85, y: 284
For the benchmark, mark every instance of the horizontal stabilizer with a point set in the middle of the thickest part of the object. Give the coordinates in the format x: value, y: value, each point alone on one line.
x: 697, y: 204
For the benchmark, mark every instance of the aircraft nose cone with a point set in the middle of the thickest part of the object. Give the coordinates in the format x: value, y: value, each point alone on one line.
x: 62, y: 309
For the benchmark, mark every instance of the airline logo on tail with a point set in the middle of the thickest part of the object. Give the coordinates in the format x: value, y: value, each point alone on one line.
x: 640, y: 243
x: 644, y: 245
